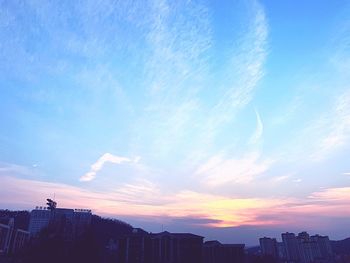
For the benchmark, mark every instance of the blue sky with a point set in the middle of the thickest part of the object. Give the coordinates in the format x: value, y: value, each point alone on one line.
x: 210, y: 116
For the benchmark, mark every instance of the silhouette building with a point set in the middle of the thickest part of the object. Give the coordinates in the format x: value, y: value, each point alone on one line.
x: 135, y: 247
x: 176, y: 247
x: 39, y: 219
x: 143, y: 247
x: 215, y: 252
x: 291, y: 247
x: 324, y: 245
x: 66, y: 222
x: 165, y: 247
x: 299, y: 249
x: 269, y: 246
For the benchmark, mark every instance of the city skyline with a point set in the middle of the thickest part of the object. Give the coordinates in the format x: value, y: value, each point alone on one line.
x: 229, y: 119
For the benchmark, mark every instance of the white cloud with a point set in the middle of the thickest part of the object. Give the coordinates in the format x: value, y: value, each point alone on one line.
x: 279, y: 179
x: 98, y: 165
x: 177, y: 38
x: 179, y: 50
x: 218, y: 170
x: 332, y: 194
x: 12, y: 169
x: 323, y: 136
x: 239, y: 78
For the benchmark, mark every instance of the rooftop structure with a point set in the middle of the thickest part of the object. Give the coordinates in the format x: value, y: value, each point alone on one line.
x: 67, y: 222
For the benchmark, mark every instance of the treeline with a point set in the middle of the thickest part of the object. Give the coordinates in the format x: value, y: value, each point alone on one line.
x: 104, y: 229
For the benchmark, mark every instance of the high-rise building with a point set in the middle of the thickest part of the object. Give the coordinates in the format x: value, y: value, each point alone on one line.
x: 81, y: 219
x: 269, y: 246
x: 309, y: 251
x: 62, y: 223
x: 291, y: 247
x: 39, y: 219
x: 324, y: 246
x: 281, y: 250
x: 304, y: 236
x: 66, y: 222
x: 299, y: 249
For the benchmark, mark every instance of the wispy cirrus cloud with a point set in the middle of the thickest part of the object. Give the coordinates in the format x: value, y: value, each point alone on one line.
x: 178, y: 37
x: 171, y: 81
x: 242, y: 72
x: 325, y: 131
x: 220, y: 170
x: 340, y: 58
x: 179, y: 75
x: 259, y: 130
x: 173, y: 70
x: 332, y: 194
x: 279, y: 179
x: 105, y: 158
x: 322, y: 136
x: 335, y: 127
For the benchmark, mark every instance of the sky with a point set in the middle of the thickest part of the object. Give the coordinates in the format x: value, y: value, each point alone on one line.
x: 228, y: 119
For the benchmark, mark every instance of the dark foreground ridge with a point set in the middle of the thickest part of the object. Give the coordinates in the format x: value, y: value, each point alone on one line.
x: 62, y: 235
x: 76, y: 235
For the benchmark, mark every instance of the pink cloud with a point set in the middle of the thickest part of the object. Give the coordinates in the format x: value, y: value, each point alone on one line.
x: 145, y: 200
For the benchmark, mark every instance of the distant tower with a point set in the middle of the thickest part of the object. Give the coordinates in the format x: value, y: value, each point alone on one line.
x: 269, y: 246
x: 291, y: 246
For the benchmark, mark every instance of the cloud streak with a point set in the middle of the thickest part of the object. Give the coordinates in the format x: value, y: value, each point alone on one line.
x: 259, y: 129
x: 243, y: 72
x: 335, y: 127
x: 98, y: 165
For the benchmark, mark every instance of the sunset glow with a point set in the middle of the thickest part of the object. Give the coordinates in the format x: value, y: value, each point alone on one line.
x: 206, y: 114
